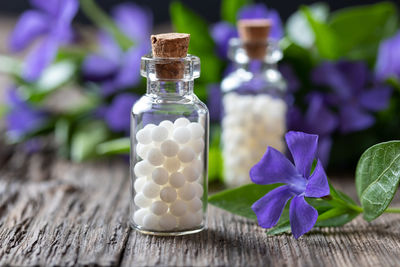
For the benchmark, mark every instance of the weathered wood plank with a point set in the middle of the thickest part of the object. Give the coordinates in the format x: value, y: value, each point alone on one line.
x: 53, y: 212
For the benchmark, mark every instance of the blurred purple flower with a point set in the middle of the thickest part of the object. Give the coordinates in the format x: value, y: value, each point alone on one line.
x: 299, y: 183
x: 317, y: 120
x: 114, y: 68
x: 293, y: 83
x: 22, y: 118
x: 388, y: 61
x: 117, y: 114
x: 214, y: 102
x: 351, y: 95
x: 222, y: 31
x: 53, y: 21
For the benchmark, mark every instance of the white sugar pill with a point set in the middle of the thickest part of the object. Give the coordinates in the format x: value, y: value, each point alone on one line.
x: 150, y: 221
x: 160, y: 176
x: 159, y: 133
x: 198, y: 218
x: 155, y: 157
x: 151, y: 189
x: 195, y: 204
x: 172, y: 164
x: 142, y: 168
x: 196, y: 130
x: 139, y: 183
x: 181, y: 122
x: 143, y: 136
x: 138, y: 216
x: 159, y: 207
x: 198, y: 188
x: 181, y: 135
x: 191, y: 173
x: 149, y: 126
x: 168, y: 222
x: 169, y: 148
x: 168, y: 194
x: 197, y: 145
x: 142, y: 201
x: 142, y: 150
x: 186, y: 154
x: 178, y: 208
x: 168, y: 125
x: 187, y: 192
x: 177, y: 179
x: 187, y: 221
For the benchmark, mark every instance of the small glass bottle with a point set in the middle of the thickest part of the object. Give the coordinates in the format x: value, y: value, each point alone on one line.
x: 169, y: 148
x: 253, y: 102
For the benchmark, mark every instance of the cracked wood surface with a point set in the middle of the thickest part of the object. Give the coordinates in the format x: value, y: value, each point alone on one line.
x: 53, y: 212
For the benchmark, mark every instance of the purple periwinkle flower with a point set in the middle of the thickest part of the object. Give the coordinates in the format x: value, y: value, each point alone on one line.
x: 117, y: 114
x: 22, y: 118
x: 318, y: 119
x: 388, y: 61
x: 222, y: 31
x: 299, y: 183
x: 52, y: 19
x: 354, y: 94
x: 114, y: 68
x: 214, y: 102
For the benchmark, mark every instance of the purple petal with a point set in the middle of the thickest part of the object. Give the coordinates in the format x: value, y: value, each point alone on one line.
x: 302, y: 216
x: 269, y: 208
x: 376, y: 99
x: 354, y: 119
x: 222, y: 32
x: 255, y: 11
x: 295, y: 120
x: 355, y: 72
x: 317, y: 185
x: 388, y: 60
x: 31, y: 25
x: 319, y: 119
x: 303, y: 148
x: 98, y: 67
x: 108, y: 46
x: 39, y: 59
x: 129, y: 74
x: 117, y: 114
x: 51, y: 7
x: 273, y: 168
x: 276, y: 27
x: 135, y: 22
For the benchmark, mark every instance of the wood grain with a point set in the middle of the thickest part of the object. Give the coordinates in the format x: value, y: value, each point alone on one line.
x: 53, y: 212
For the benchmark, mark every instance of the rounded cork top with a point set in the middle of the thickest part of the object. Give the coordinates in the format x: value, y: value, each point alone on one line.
x: 254, y: 30
x: 170, y: 45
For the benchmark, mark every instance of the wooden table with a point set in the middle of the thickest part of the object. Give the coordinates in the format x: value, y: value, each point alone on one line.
x: 53, y: 212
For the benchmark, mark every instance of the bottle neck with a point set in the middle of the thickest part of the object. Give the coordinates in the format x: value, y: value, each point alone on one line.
x: 171, y: 88
x: 256, y: 66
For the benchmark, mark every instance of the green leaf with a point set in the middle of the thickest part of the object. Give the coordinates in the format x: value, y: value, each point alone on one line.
x: 201, y: 43
x: 280, y: 228
x: 362, y: 28
x: 114, y: 147
x: 377, y: 177
x: 239, y: 200
x: 86, y: 138
x: 298, y: 28
x: 230, y: 8
x: 327, y: 42
x: 62, y: 132
x: 336, y: 217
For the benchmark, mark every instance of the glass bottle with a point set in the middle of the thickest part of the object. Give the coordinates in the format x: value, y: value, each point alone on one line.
x: 169, y: 152
x: 254, y: 110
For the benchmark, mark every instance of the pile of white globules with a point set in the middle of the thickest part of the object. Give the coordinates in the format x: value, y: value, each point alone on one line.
x: 169, y: 178
x: 251, y: 123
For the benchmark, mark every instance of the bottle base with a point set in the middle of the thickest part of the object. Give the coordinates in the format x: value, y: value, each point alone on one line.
x: 168, y: 233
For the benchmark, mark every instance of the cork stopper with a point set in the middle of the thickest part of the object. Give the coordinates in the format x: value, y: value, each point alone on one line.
x: 254, y: 34
x: 170, y: 46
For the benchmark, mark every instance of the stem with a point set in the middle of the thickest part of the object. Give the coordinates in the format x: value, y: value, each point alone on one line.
x: 392, y: 210
x: 102, y: 20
